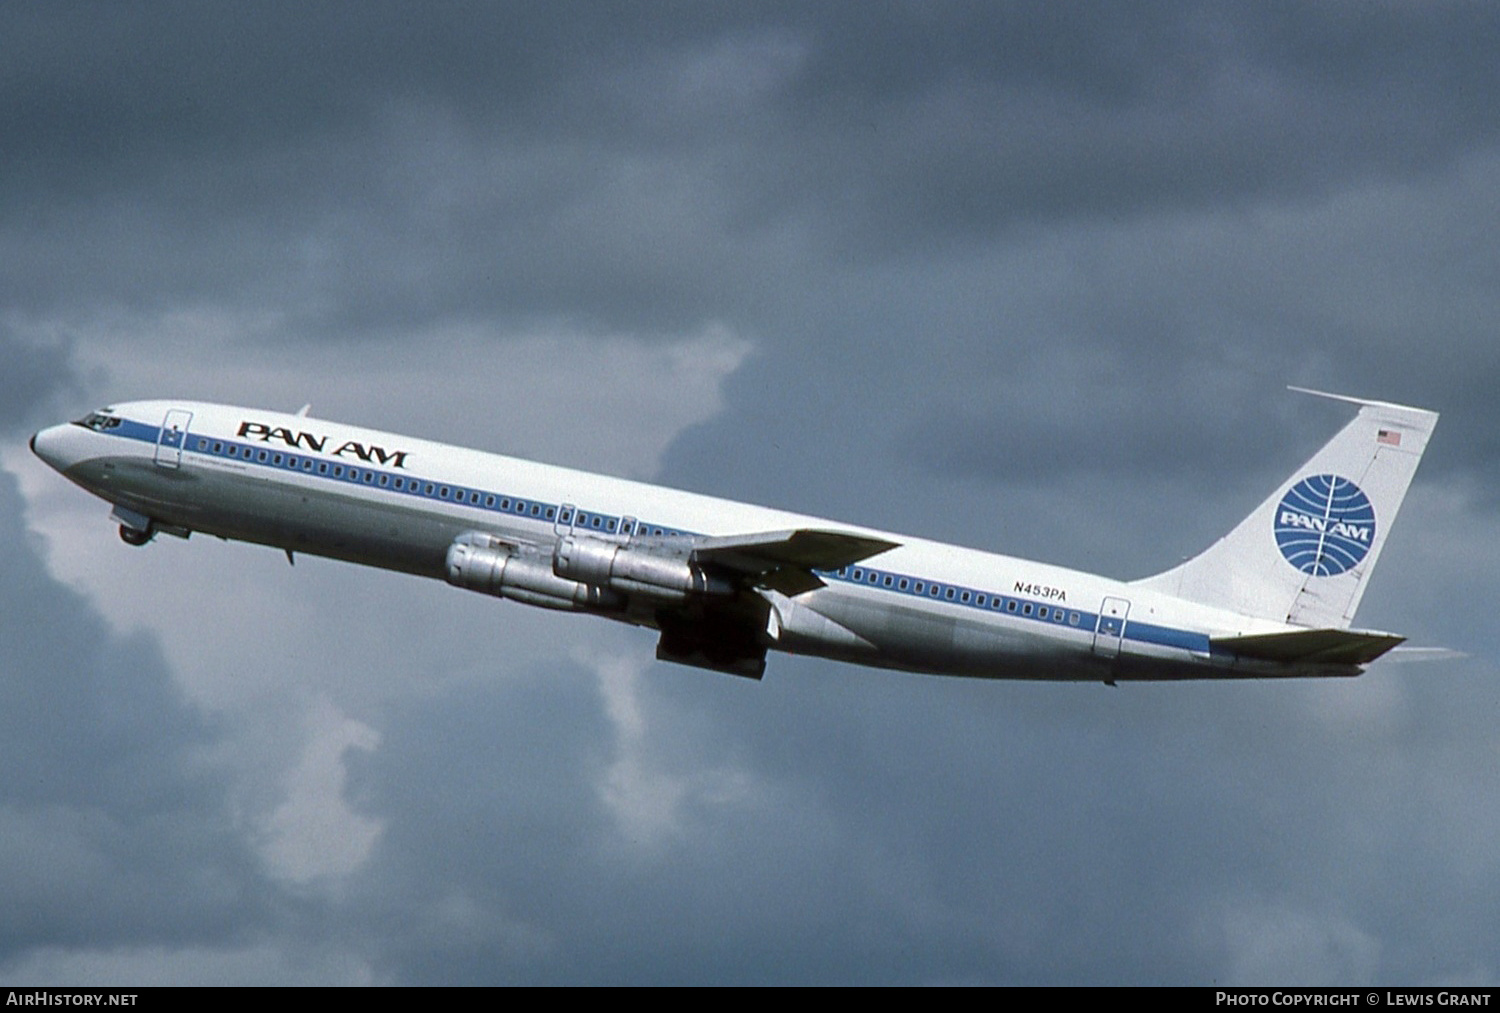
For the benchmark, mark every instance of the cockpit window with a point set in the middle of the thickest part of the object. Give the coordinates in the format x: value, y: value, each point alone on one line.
x: 98, y: 421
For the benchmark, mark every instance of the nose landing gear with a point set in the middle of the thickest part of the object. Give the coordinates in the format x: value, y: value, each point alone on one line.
x: 137, y: 536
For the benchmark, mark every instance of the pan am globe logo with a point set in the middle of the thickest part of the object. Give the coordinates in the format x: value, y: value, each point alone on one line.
x: 1325, y: 525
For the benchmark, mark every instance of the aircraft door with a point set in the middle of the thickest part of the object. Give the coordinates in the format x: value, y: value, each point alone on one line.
x: 1110, y: 630
x: 172, y: 438
x: 563, y: 525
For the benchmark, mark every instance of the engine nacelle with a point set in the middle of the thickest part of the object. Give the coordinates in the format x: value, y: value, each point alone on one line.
x: 480, y: 564
x: 633, y: 571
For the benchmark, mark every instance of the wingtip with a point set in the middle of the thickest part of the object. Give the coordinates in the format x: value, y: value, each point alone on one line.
x: 1405, y: 654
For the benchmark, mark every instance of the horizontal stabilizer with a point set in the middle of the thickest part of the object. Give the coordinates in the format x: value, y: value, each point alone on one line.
x: 1334, y: 647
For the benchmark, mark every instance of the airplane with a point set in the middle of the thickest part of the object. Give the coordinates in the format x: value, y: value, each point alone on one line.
x: 723, y: 582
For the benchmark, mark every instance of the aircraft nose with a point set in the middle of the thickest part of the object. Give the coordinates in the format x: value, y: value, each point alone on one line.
x: 47, y: 444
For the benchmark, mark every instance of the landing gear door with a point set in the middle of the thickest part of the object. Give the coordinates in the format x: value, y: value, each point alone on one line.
x: 1111, y: 629
x: 172, y: 438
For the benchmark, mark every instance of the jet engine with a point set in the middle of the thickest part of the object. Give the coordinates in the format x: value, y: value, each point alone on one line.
x: 481, y: 563
x: 661, y: 574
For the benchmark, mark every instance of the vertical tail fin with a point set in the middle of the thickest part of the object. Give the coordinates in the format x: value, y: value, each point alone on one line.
x: 1305, y: 555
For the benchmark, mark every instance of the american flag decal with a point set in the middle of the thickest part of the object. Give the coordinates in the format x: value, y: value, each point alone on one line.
x: 1389, y: 437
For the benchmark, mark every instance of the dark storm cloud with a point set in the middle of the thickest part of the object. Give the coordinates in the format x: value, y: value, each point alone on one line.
x: 32, y: 375
x: 659, y: 168
x: 490, y: 866
x: 1046, y: 834
x: 117, y: 826
x: 966, y: 124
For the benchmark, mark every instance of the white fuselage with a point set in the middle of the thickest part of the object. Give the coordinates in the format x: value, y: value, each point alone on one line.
x: 309, y: 486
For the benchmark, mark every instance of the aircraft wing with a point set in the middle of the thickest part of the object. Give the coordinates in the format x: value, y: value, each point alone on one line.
x: 727, y: 634
x: 785, y: 560
x: 1337, y: 647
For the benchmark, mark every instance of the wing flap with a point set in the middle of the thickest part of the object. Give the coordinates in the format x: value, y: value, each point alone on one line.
x: 1336, y: 647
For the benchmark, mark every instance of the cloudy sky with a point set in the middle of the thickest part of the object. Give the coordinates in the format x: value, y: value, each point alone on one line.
x: 1027, y: 277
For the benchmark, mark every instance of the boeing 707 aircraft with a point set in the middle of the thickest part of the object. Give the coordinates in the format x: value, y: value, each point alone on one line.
x: 724, y: 582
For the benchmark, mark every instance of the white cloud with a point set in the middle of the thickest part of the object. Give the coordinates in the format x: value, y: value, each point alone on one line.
x: 314, y: 833
x: 644, y: 786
